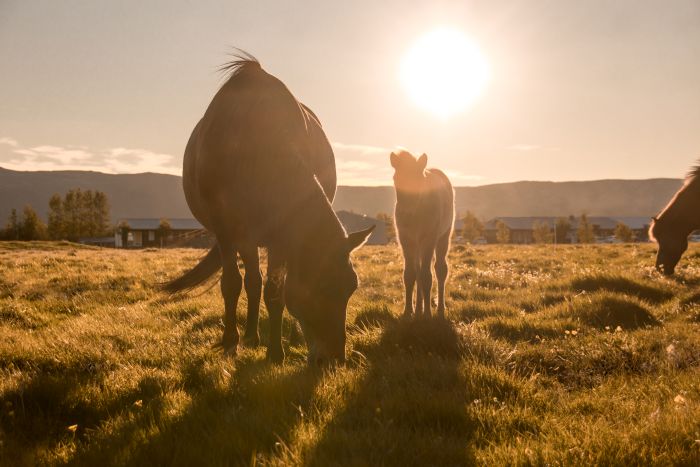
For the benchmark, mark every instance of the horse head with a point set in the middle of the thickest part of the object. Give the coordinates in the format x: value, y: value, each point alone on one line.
x: 672, y: 244
x: 317, y: 294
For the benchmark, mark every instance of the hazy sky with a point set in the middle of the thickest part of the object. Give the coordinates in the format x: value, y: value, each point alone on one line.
x: 580, y: 89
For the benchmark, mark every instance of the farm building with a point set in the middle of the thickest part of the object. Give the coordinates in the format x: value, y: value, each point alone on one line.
x: 521, y: 228
x: 144, y: 233
x: 352, y: 222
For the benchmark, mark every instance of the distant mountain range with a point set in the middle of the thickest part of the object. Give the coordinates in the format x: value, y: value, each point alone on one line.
x: 160, y: 196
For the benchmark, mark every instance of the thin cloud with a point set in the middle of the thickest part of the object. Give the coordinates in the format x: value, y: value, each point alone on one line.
x: 111, y: 160
x: 361, y: 148
x: 9, y: 141
x: 361, y: 164
x: 523, y: 147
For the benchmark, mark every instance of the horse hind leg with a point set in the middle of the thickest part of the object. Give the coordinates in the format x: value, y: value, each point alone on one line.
x: 441, y: 271
x: 274, y: 302
x: 252, y: 282
x: 231, y: 284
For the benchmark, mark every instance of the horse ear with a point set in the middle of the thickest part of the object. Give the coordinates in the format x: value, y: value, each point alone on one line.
x: 394, y: 159
x: 423, y: 161
x: 357, y: 239
x: 654, y: 219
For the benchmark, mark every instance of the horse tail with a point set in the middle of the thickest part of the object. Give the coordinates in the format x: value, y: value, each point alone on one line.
x: 207, y: 267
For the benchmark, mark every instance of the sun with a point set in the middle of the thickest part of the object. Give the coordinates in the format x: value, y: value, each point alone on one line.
x: 444, y: 72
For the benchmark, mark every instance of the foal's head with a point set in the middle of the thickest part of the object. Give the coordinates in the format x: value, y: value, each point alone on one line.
x: 408, y: 171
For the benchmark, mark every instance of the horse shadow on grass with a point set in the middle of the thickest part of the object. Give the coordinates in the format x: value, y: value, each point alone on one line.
x: 410, y: 405
x: 224, y: 424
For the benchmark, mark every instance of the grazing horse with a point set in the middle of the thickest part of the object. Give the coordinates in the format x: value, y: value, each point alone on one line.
x: 424, y: 218
x: 671, y: 227
x: 258, y: 171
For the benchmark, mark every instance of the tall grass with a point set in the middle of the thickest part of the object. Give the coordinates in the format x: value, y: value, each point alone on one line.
x: 568, y: 355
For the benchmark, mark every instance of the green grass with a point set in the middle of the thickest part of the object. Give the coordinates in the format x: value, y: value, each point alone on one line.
x: 569, y: 355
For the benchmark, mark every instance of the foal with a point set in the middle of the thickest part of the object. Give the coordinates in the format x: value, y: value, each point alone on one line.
x: 424, y: 217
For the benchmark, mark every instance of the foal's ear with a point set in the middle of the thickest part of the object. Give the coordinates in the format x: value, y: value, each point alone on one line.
x: 357, y: 239
x: 423, y: 161
x: 394, y: 159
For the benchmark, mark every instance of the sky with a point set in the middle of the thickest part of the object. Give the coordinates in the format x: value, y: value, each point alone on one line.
x: 578, y: 90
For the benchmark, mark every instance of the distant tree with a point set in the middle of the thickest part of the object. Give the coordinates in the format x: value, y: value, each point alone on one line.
x: 541, y: 232
x: 164, y: 229
x: 389, y: 225
x: 123, y: 230
x: 502, y: 232
x: 56, y: 218
x: 624, y: 233
x: 78, y: 214
x: 584, y: 232
x: 12, y: 228
x: 100, y: 213
x: 32, y: 228
x: 562, y: 229
x: 472, y: 228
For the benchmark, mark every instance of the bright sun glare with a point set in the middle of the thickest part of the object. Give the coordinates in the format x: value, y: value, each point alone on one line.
x: 444, y: 72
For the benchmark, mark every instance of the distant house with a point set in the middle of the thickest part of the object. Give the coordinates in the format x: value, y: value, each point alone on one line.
x: 353, y: 222
x: 107, y: 242
x: 144, y: 233
x: 521, y: 228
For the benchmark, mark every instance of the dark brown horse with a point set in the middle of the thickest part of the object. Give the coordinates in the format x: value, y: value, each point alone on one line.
x: 424, y: 217
x: 258, y: 172
x: 671, y: 227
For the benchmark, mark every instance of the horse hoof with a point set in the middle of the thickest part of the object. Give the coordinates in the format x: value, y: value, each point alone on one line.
x: 275, y: 356
x: 251, y: 341
x: 230, y: 349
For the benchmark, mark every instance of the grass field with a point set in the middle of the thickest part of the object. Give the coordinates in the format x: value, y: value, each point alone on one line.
x: 567, y: 355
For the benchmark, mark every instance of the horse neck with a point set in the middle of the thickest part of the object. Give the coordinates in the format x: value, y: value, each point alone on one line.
x: 684, y: 211
x: 413, y: 197
x: 314, y: 232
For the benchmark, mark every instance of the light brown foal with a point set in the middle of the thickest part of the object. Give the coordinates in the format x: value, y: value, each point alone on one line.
x: 424, y: 218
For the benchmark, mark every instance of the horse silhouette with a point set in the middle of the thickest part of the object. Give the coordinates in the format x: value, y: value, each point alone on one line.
x: 671, y: 227
x: 258, y: 171
x: 424, y: 217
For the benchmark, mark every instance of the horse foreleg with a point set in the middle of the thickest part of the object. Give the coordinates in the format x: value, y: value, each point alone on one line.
x: 409, y: 281
x: 252, y: 282
x: 274, y: 302
x: 425, y: 279
x: 231, y: 284
x: 441, y: 270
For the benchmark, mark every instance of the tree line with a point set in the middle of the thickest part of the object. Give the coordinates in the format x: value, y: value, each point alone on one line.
x: 76, y: 214
x: 473, y: 229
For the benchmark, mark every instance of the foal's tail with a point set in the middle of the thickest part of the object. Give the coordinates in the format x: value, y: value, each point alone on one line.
x: 207, y: 267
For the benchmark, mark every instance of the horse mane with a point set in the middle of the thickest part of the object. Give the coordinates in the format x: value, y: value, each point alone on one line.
x: 242, y: 60
x: 693, y: 173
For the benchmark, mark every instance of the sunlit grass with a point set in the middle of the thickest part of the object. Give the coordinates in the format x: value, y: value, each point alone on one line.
x: 568, y: 355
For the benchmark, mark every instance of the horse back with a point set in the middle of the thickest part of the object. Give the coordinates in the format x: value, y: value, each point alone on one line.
x: 245, y: 168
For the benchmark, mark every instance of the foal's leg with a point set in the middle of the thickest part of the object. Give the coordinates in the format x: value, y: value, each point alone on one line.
x: 441, y: 270
x: 409, y: 280
x: 274, y: 302
x: 252, y: 282
x: 425, y: 277
x: 230, y: 289
x: 419, y: 288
